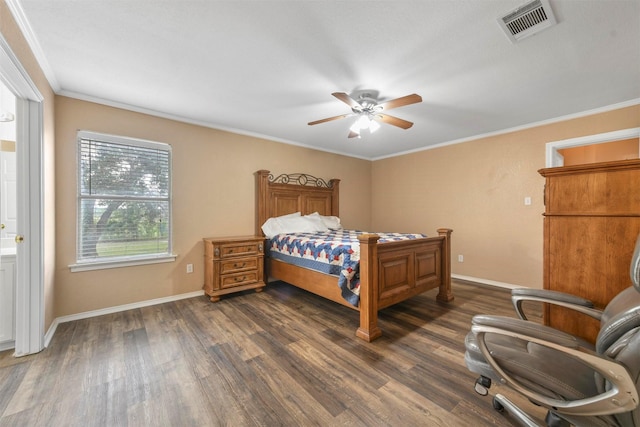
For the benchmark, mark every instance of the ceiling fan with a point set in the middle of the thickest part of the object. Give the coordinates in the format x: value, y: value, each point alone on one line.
x: 369, y: 110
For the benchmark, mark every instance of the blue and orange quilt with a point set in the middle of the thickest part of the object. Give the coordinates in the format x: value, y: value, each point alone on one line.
x: 334, y: 252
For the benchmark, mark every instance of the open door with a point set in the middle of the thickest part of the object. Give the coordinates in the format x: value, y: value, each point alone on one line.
x: 29, y: 258
x: 8, y: 218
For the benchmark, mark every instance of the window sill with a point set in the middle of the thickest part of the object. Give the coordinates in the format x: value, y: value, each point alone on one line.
x: 101, y: 265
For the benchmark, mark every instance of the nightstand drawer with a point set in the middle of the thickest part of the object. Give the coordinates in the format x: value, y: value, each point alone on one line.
x: 240, y: 249
x: 238, y: 264
x: 233, y: 280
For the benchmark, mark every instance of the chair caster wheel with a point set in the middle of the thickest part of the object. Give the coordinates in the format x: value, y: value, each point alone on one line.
x: 482, y: 386
x: 497, y: 405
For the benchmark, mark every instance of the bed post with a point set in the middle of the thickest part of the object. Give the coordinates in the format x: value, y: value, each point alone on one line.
x: 334, y: 184
x: 368, y: 329
x: 262, y: 182
x: 444, y: 293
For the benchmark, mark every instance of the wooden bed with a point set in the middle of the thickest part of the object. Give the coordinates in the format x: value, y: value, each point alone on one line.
x: 390, y: 272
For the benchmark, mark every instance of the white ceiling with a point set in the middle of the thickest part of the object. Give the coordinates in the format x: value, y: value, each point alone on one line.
x: 267, y: 68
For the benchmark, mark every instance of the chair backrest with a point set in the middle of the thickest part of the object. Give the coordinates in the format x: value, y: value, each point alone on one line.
x: 619, y: 336
x: 623, y: 312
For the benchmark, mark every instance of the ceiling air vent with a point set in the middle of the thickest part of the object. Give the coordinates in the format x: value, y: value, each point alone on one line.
x: 527, y: 20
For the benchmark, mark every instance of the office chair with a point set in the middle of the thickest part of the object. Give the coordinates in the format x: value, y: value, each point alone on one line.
x: 577, y: 382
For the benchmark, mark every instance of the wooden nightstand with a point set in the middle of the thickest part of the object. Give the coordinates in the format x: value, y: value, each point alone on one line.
x: 233, y: 264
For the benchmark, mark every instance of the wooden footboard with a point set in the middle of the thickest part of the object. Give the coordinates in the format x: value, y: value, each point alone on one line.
x: 390, y: 272
x: 395, y: 271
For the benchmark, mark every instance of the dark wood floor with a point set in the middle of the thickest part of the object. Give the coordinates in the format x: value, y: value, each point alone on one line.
x: 280, y: 357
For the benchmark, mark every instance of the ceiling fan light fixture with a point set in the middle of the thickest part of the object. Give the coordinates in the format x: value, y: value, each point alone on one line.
x: 373, y: 126
x: 364, y: 122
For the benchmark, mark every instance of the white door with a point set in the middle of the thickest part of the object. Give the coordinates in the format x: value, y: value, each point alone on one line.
x: 7, y: 300
x: 8, y: 217
x: 8, y: 211
x: 29, y: 258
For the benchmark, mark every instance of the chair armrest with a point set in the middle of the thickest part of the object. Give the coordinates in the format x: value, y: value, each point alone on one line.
x: 582, y: 305
x: 526, y: 328
x: 622, y: 395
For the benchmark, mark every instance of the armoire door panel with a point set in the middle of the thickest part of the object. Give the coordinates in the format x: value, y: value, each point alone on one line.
x: 576, y: 259
x: 592, y: 220
x: 580, y: 193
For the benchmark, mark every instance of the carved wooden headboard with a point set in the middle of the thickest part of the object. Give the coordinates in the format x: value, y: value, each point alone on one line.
x: 297, y: 192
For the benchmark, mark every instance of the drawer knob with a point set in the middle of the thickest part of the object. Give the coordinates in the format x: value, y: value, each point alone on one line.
x: 240, y: 279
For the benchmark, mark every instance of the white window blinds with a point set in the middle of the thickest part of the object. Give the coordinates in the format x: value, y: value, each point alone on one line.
x: 124, y: 195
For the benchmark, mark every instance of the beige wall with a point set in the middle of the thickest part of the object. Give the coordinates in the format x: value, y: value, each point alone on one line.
x: 213, y: 195
x: 478, y: 189
x: 20, y: 48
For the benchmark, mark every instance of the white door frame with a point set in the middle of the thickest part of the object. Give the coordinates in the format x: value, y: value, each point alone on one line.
x: 554, y: 159
x: 30, y: 202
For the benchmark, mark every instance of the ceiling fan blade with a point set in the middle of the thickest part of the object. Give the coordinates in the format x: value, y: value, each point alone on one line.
x: 401, y: 102
x: 328, y: 119
x: 394, y: 121
x: 347, y: 100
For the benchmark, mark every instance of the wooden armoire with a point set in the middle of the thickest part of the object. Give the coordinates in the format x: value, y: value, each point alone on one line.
x: 591, y: 222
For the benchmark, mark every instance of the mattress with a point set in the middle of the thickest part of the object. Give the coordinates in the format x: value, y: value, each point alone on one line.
x: 335, y: 252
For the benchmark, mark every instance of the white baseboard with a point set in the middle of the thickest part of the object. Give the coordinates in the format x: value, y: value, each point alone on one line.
x: 52, y: 330
x: 485, y: 281
x: 7, y: 345
x: 100, y: 312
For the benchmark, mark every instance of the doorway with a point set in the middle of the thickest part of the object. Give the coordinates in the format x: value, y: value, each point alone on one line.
x: 8, y: 217
x: 29, y: 266
x: 554, y: 157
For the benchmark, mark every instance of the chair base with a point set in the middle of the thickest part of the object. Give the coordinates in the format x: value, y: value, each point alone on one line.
x: 502, y: 404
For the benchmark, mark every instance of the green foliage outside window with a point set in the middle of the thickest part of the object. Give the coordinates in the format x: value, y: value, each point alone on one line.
x: 124, y: 199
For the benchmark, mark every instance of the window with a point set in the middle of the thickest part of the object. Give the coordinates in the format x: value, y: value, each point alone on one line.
x: 124, y: 202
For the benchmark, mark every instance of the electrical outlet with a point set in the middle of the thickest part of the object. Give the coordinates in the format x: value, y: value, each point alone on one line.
x: 460, y: 258
x: 527, y: 201
x: 189, y: 268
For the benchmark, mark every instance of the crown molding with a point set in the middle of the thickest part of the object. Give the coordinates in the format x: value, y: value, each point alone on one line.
x: 27, y: 31
x: 617, y: 106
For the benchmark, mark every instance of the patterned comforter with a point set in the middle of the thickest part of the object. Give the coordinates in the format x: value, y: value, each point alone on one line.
x: 335, y: 252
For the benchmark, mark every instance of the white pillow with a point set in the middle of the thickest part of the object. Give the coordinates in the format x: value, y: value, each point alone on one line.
x: 271, y: 227
x: 301, y: 224
x: 328, y: 221
x: 291, y: 215
x: 292, y: 224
